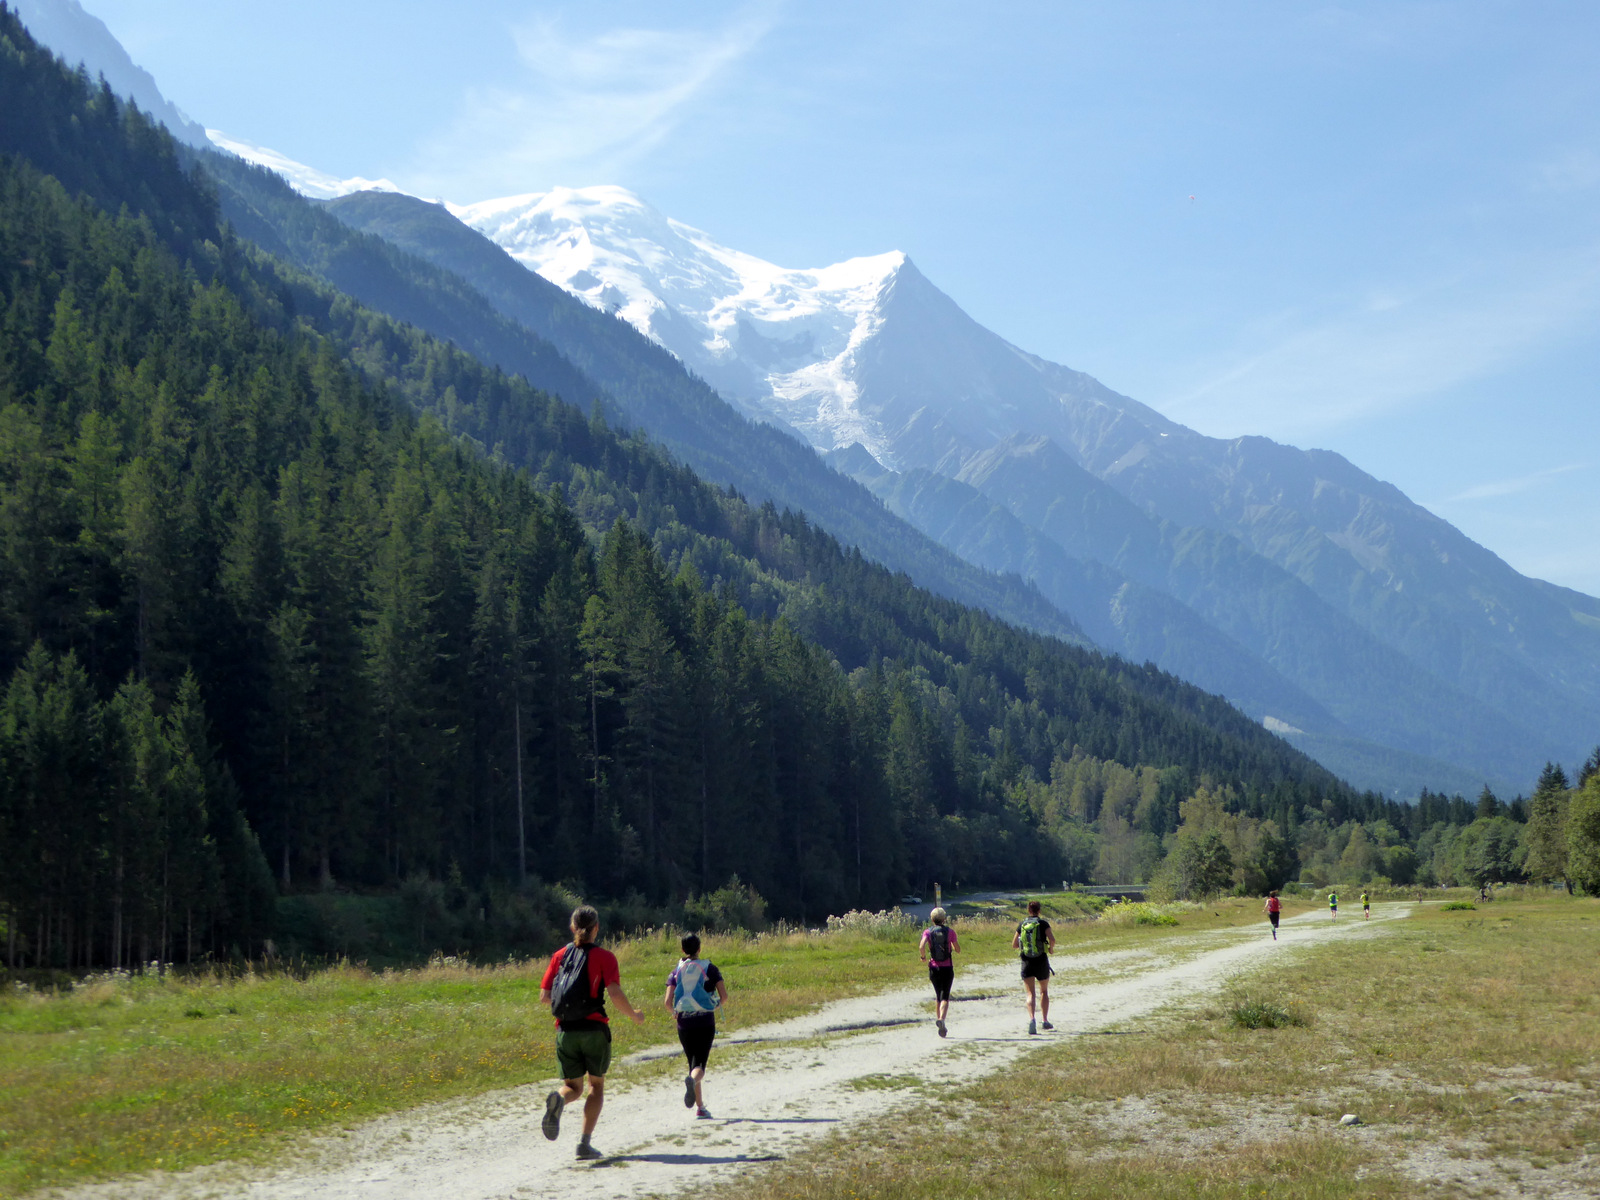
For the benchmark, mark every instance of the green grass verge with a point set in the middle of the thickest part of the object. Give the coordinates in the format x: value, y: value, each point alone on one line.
x: 125, y: 1075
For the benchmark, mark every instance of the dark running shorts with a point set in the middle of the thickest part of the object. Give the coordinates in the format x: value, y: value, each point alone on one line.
x: 696, y: 1044
x: 1036, y: 968
x: 584, y: 1052
x: 1273, y: 917
x: 941, y: 978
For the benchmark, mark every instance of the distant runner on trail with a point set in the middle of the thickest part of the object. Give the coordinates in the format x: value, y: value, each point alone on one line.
x: 1035, y: 941
x: 1366, y: 908
x: 1274, y: 907
x: 572, y: 987
x: 694, y: 993
x: 1333, y: 905
x: 937, y: 948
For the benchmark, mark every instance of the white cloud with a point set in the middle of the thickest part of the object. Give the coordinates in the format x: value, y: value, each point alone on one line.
x: 1390, y: 349
x: 587, y: 104
x: 1513, y: 486
x: 1571, y: 171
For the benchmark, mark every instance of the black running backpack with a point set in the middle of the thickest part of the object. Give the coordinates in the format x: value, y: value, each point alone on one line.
x: 939, y: 944
x: 570, y: 998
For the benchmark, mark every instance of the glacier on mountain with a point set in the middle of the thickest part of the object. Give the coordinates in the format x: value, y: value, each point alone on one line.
x: 779, y: 342
x: 308, y: 181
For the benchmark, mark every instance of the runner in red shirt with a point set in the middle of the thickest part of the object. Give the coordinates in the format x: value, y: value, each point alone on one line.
x: 1274, y: 907
x: 583, y: 1040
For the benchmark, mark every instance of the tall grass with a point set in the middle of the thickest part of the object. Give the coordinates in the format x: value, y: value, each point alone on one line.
x: 1147, y: 914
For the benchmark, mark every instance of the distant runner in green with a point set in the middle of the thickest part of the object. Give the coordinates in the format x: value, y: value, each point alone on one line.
x: 1366, y: 908
x: 1333, y: 904
x: 1035, y: 941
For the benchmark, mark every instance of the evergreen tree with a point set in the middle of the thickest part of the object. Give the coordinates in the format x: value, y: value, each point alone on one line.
x: 1546, y: 831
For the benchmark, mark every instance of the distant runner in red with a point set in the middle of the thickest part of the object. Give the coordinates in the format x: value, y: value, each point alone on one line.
x: 1274, y: 907
x: 572, y: 987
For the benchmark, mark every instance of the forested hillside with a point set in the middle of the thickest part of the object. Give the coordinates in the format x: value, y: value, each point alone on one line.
x: 297, y: 599
x: 515, y: 322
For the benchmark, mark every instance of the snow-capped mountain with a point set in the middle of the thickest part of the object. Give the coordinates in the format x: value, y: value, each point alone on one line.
x: 865, y: 351
x: 779, y: 342
x: 1298, y: 555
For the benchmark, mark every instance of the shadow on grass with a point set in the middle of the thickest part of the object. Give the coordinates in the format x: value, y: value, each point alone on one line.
x: 689, y: 1160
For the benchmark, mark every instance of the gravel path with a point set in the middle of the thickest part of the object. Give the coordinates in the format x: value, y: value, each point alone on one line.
x: 791, y: 1082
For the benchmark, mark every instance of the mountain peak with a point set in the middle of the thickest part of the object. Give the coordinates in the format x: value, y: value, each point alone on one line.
x: 751, y: 328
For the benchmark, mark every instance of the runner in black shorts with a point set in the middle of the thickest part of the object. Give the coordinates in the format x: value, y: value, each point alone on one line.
x: 938, y: 948
x: 694, y: 993
x: 1035, y: 941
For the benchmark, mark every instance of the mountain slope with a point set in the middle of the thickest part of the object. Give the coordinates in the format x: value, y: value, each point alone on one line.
x: 652, y: 391
x: 914, y: 380
x: 78, y: 37
x: 1138, y: 621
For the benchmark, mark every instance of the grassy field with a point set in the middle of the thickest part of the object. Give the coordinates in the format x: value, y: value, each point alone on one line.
x: 121, y: 1075
x: 1467, y: 1042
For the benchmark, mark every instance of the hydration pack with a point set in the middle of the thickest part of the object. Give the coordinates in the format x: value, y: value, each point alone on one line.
x: 690, y: 995
x: 939, y: 944
x: 1033, y: 942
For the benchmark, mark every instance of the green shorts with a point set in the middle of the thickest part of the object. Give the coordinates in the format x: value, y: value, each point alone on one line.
x: 584, y: 1052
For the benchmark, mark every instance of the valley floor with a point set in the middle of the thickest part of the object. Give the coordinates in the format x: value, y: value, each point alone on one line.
x: 802, y: 1093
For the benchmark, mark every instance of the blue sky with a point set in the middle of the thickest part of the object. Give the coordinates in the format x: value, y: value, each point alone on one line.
x: 1392, y: 248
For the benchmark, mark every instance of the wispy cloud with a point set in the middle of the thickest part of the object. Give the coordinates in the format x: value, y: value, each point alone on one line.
x: 1513, y: 486
x: 1391, y: 349
x: 587, y: 104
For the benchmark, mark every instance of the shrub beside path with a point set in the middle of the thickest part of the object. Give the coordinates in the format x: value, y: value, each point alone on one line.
x: 775, y: 1088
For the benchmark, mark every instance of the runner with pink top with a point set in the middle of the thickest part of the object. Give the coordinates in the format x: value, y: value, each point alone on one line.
x: 938, y: 949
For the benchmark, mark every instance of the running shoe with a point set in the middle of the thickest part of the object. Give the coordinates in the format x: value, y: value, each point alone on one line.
x: 702, y: 1114
x: 587, y: 1152
x: 940, y: 1024
x: 1047, y: 1025
x: 688, y: 1091
x: 1032, y: 1029
x: 551, y: 1124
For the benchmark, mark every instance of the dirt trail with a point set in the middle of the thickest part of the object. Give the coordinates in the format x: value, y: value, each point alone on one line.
x: 795, y: 1081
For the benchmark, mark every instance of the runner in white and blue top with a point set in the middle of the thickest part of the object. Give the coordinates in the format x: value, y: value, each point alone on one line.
x: 694, y: 993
